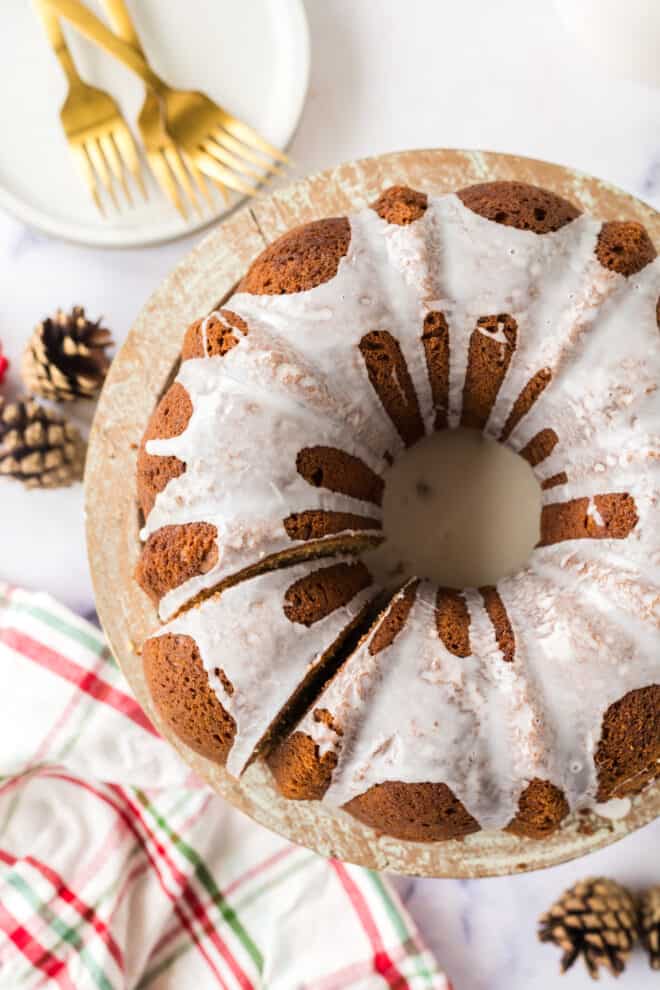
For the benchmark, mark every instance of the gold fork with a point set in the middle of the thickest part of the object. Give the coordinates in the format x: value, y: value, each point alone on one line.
x: 98, y: 136
x: 220, y: 145
x: 164, y: 157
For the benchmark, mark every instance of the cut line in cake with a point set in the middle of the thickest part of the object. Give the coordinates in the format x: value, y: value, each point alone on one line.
x: 257, y: 671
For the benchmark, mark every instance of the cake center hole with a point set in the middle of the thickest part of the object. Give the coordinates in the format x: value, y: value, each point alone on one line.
x: 459, y: 509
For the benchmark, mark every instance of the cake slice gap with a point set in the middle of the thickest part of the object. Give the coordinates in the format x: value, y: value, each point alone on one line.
x: 261, y: 645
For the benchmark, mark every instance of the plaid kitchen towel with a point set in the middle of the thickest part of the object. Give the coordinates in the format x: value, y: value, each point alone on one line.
x: 119, y: 869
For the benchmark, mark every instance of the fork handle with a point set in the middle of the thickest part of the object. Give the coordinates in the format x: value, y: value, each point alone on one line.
x: 122, y: 23
x: 57, y: 40
x: 94, y: 29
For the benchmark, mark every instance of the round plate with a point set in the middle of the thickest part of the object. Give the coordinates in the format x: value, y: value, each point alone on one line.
x: 252, y: 58
x: 137, y: 377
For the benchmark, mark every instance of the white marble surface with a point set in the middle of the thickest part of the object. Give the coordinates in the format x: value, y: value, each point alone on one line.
x: 385, y: 76
x: 484, y: 931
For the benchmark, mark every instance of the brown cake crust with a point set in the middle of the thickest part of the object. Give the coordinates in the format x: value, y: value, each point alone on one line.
x: 400, y: 205
x: 317, y: 594
x: 517, y: 204
x: 488, y: 363
x: 524, y: 402
x: 571, y: 520
x: 390, y: 625
x: 174, y: 554
x: 556, y: 479
x: 416, y: 812
x: 300, y: 260
x: 498, y: 616
x: 169, y: 419
x: 300, y: 773
x: 452, y: 620
x: 624, y: 246
x: 328, y: 467
x: 181, y: 692
x: 541, y: 809
x: 628, y: 753
x: 435, y: 339
x: 219, y: 337
x: 539, y: 447
x: 390, y: 379
x: 315, y: 524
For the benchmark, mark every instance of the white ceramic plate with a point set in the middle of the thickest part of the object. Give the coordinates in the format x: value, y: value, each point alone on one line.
x: 252, y: 57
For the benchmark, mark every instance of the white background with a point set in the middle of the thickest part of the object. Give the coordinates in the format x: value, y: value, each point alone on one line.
x: 386, y: 75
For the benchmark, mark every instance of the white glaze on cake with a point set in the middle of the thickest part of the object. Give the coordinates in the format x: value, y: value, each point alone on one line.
x: 240, y: 448
x: 374, y: 290
x: 580, y: 653
x: 481, y: 725
x: 266, y: 359
x: 245, y: 633
x: 463, y: 721
x: 585, y: 613
x: 614, y: 809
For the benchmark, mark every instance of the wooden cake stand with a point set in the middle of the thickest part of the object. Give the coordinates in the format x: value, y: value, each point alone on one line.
x: 138, y: 376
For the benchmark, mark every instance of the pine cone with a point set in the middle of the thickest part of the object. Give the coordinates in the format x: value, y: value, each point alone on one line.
x: 65, y: 358
x: 649, y: 924
x: 38, y: 446
x: 595, y: 919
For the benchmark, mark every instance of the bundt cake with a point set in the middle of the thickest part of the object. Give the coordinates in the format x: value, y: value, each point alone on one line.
x: 427, y: 713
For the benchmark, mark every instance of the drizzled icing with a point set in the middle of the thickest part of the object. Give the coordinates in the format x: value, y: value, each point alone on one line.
x: 580, y: 652
x: 467, y: 722
x: 484, y: 727
x: 245, y: 633
x: 585, y: 614
x: 240, y: 449
x: 604, y: 401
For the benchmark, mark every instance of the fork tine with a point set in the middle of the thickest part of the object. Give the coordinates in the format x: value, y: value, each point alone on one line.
x: 97, y: 159
x: 232, y: 144
x: 109, y: 149
x: 210, y: 166
x: 206, y: 181
x: 86, y: 170
x: 216, y: 184
x: 181, y: 175
x: 245, y: 133
x: 165, y: 180
x: 126, y: 145
x: 200, y: 180
x: 216, y: 152
x: 222, y: 188
x: 220, y: 152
